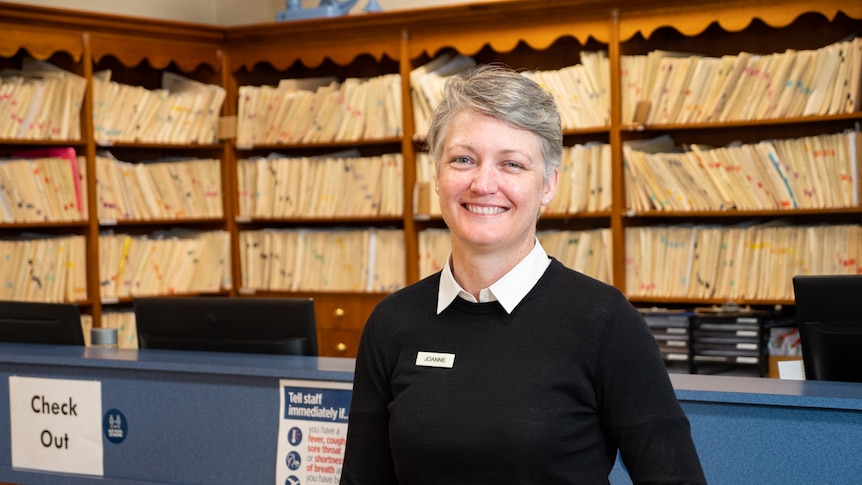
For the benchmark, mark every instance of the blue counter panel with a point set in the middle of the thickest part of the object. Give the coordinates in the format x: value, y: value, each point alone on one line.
x: 770, y: 444
x: 765, y: 431
x: 207, y: 418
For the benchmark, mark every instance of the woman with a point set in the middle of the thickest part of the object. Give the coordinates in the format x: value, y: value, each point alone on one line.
x: 507, y: 367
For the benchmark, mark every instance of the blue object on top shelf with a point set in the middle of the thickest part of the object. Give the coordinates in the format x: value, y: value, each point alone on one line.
x: 327, y: 8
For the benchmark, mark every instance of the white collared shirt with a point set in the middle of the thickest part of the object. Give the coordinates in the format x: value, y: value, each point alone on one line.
x: 508, y: 290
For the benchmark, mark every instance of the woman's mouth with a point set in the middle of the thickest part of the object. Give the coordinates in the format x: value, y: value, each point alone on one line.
x: 484, y: 210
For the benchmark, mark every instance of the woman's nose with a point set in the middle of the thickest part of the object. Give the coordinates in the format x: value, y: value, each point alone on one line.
x: 484, y: 180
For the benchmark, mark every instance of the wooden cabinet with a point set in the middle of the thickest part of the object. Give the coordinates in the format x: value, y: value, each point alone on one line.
x: 340, y: 319
x: 530, y: 34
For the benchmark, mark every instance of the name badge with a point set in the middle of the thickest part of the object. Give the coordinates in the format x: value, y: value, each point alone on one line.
x: 435, y: 359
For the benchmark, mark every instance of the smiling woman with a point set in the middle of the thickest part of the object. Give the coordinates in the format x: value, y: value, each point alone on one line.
x: 497, y: 144
x: 491, y: 184
x: 506, y: 366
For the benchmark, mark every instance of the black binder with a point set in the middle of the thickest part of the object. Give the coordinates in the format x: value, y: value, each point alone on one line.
x: 729, y: 339
x: 672, y: 332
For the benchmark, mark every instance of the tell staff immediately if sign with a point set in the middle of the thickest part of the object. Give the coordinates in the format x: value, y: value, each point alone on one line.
x: 312, y: 431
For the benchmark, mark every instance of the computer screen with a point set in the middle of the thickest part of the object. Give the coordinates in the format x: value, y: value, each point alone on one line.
x: 40, y: 323
x: 829, y: 316
x: 283, y: 326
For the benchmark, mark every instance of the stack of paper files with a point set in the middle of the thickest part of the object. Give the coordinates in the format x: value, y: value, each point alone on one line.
x: 124, y: 322
x: 160, y: 189
x: 44, y: 189
x: 426, y: 200
x: 43, y: 268
x: 40, y: 101
x: 814, y: 172
x: 164, y: 263
x: 434, y: 248
x: 361, y: 260
x: 182, y: 111
x: 319, y: 110
x: 584, y: 180
x: 581, y: 91
x: 278, y: 187
x: 587, y: 251
x: 666, y: 87
x: 735, y: 262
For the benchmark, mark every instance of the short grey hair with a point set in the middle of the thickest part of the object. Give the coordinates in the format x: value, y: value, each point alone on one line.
x: 506, y: 95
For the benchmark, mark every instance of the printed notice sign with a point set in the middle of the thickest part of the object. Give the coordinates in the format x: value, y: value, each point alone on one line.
x: 56, y: 425
x: 312, y: 431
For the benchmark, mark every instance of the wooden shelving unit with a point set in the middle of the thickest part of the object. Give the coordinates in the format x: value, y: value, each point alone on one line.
x: 530, y: 34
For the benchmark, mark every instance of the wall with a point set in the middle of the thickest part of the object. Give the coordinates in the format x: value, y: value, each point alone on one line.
x: 201, y: 11
x: 217, y: 12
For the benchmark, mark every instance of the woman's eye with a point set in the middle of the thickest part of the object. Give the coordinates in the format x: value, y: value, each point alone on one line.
x: 515, y: 165
x: 461, y: 160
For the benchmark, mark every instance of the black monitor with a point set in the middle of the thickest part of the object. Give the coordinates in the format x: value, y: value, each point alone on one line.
x: 829, y: 316
x: 284, y: 326
x: 40, y: 323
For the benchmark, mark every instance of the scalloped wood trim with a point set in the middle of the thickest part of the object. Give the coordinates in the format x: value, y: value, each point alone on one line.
x: 40, y: 43
x: 732, y: 16
x: 130, y: 51
x: 312, y: 51
x: 539, y: 23
x: 506, y: 37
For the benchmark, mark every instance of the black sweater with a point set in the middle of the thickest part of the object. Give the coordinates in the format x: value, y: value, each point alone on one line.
x: 546, y: 395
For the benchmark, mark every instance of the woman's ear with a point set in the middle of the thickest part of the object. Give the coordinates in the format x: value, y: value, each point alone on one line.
x: 550, y: 189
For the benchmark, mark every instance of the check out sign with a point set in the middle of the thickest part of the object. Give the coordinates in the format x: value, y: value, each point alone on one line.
x: 56, y: 425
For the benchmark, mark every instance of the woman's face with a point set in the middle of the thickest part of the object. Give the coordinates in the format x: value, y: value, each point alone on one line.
x: 491, y: 184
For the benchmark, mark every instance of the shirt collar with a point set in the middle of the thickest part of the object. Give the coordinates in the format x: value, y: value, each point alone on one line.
x: 509, y: 290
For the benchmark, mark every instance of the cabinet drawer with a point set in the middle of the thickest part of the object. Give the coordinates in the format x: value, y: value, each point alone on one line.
x: 337, y: 343
x: 340, y: 320
x: 344, y: 311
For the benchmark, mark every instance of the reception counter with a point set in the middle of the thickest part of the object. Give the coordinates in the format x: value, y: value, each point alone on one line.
x: 202, y: 418
x: 751, y: 430
x: 192, y: 417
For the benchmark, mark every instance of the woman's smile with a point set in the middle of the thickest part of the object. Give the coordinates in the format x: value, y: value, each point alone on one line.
x: 484, y: 210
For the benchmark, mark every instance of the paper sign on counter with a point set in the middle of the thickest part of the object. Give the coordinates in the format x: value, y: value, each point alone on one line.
x: 56, y: 425
x: 312, y: 431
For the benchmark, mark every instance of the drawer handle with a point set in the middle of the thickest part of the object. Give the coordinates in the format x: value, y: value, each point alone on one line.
x: 341, y: 348
x: 339, y: 312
